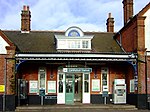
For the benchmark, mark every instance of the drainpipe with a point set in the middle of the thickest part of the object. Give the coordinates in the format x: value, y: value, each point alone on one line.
x: 120, y: 43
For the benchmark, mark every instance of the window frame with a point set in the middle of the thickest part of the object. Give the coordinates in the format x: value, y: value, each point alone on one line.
x: 44, y: 71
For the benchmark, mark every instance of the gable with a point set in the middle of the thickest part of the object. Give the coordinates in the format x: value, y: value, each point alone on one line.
x: 147, y: 29
x: 3, y: 45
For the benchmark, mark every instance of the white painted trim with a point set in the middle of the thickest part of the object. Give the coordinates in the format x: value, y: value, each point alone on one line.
x: 86, y: 96
x: 102, y: 89
x: 74, y: 28
x: 61, y: 96
x: 75, y: 56
x: 45, y: 70
x: 3, y: 45
x: 147, y: 29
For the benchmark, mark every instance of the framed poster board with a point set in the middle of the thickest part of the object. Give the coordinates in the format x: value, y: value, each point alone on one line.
x: 51, y: 86
x: 132, y: 85
x: 95, y: 84
x: 33, y: 86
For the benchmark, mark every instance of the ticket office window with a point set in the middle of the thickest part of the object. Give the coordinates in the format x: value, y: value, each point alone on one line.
x: 42, y: 78
x: 104, y: 79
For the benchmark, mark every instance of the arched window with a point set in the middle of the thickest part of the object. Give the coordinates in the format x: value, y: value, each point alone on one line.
x: 74, y: 33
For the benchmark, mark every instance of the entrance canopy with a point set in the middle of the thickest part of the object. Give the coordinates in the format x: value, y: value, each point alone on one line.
x: 78, y: 56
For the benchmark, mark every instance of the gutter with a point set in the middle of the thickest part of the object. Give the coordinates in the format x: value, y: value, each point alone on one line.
x: 120, y: 43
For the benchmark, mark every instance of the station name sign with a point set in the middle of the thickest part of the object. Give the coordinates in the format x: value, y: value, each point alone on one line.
x: 77, y: 70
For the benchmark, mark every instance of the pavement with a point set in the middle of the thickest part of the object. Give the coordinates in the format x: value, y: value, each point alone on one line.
x: 80, y: 108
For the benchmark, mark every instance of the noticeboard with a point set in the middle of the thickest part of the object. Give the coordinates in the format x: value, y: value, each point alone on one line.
x: 42, y: 92
x: 105, y: 94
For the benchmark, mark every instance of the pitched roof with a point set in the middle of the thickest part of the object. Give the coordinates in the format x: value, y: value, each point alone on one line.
x: 44, y: 41
x: 146, y: 8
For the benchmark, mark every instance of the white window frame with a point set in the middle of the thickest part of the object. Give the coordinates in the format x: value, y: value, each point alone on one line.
x: 42, y: 69
x: 73, y: 43
x: 107, y: 86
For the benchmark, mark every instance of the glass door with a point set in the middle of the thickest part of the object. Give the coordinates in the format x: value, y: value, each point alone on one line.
x: 61, y: 88
x: 86, y: 88
x: 69, y: 89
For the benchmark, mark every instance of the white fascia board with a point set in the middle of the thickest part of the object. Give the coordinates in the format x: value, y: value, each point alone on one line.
x: 65, y: 37
x: 126, y: 56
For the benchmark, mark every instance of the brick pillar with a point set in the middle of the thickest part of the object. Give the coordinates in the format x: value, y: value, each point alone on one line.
x: 10, y: 70
x: 142, y: 97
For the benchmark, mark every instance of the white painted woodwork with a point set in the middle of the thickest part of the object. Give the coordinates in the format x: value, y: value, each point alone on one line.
x: 86, y: 95
x: 147, y: 30
x: 61, y: 96
x: 3, y: 45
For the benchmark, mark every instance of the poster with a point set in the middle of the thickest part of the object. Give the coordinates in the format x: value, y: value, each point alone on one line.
x: 33, y: 86
x: 95, y: 84
x: 132, y: 85
x: 51, y: 86
x: 2, y: 88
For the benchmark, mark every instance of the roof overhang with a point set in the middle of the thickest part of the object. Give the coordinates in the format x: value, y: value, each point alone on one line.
x: 77, y: 56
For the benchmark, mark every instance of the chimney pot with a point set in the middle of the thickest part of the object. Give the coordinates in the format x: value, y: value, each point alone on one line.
x: 109, y: 15
x: 26, y: 8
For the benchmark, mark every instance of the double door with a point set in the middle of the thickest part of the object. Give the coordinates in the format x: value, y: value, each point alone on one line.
x: 73, y: 88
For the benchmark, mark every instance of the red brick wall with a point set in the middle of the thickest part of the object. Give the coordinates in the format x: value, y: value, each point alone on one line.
x: 2, y: 69
x: 128, y: 37
x: 121, y: 71
x: 133, y: 40
x: 30, y: 71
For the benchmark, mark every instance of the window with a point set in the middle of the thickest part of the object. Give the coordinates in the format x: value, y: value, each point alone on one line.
x: 60, y: 83
x: 42, y: 78
x: 104, y: 79
x: 74, y: 33
x: 74, y: 38
x: 86, y: 83
x: 85, y: 44
x: 74, y: 44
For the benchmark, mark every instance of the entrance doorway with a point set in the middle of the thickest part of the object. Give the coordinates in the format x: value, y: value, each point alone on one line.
x: 73, y: 88
x: 78, y: 88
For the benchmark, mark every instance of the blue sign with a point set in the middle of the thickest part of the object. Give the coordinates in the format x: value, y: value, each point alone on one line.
x: 77, y: 70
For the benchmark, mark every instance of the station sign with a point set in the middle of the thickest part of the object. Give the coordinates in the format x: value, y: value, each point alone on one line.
x: 77, y: 70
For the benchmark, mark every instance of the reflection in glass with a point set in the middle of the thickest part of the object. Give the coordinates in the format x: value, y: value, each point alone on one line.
x: 42, y: 79
x: 86, y: 83
x: 60, y: 83
x: 69, y: 84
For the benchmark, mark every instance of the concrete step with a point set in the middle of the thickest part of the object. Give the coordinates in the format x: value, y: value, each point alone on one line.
x: 74, y: 107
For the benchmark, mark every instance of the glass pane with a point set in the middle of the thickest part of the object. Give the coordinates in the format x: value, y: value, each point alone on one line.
x: 86, y: 86
x: 42, y: 80
x: 86, y: 76
x: 86, y: 83
x: 69, y: 84
x: 84, y: 44
x: 104, y: 78
x: 60, y: 83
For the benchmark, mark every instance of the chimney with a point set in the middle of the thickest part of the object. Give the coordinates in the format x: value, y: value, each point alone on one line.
x: 128, y: 10
x: 110, y: 23
x: 25, y: 19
